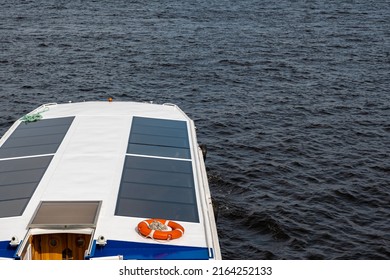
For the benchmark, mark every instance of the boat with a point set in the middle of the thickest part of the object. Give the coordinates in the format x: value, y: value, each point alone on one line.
x: 99, y: 180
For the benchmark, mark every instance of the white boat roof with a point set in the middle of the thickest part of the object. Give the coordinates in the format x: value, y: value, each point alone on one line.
x: 104, y: 167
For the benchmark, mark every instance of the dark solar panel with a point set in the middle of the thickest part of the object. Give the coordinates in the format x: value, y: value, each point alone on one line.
x: 36, y: 138
x: 18, y: 180
x: 20, y: 177
x: 156, y: 137
x: 157, y: 188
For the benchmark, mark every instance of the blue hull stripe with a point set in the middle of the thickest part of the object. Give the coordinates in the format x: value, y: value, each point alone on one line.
x: 146, y: 251
x: 132, y: 250
x: 6, y: 251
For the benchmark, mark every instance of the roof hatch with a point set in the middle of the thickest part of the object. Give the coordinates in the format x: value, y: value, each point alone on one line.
x: 64, y: 214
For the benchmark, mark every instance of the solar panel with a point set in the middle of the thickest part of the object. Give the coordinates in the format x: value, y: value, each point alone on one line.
x: 36, y: 138
x: 157, y: 188
x: 18, y: 180
x: 165, y: 138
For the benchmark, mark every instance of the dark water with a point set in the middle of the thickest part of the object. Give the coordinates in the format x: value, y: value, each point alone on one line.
x: 292, y: 99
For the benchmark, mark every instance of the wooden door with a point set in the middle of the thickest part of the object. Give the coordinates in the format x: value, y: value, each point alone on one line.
x: 59, y: 246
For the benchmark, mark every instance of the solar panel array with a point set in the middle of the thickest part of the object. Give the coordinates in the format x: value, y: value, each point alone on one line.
x: 24, y: 158
x: 157, y: 179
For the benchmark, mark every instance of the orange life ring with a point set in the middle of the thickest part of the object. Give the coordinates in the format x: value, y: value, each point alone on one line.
x: 176, y: 232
